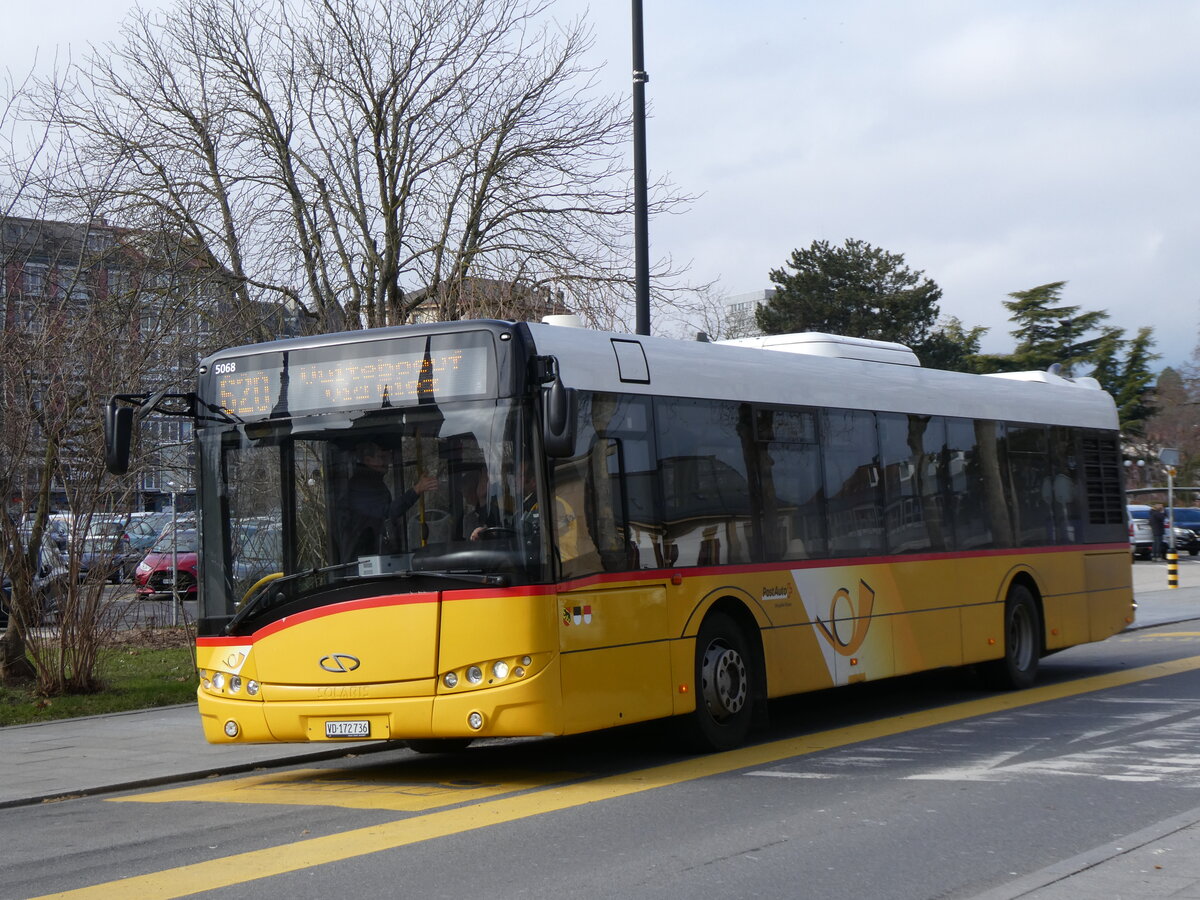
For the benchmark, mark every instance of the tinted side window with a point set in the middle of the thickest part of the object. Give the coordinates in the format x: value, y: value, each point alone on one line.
x: 965, y: 473
x: 790, y: 484
x: 1065, y: 495
x: 604, y: 493
x: 707, y: 511
x: 1030, y: 486
x: 912, y: 453
x: 853, y: 489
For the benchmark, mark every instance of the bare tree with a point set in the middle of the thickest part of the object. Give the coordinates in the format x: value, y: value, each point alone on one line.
x: 356, y: 157
x: 87, y: 309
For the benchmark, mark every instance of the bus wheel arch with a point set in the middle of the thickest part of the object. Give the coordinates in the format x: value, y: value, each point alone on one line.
x: 1023, y: 636
x: 729, y: 678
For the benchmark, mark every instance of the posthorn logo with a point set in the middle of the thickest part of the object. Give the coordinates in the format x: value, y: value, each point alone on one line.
x: 339, y: 662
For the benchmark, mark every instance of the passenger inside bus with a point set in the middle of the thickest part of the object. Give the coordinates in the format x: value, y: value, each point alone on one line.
x: 479, y: 511
x: 370, y: 524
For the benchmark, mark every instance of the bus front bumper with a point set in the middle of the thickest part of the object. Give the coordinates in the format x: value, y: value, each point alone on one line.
x: 532, y: 707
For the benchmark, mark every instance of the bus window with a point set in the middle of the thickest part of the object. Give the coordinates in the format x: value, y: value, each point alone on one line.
x: 972, y: 475
x: 789, y: 471
x: 1030, y: 484
x: 911, y: 453
x: 852, y: 485
x: 605, y: 489
x: 1068, y: 516
x: 707, y: 507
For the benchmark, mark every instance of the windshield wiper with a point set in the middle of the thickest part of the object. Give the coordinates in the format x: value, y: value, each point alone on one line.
x: 472, y: 577
x: 254, y: 601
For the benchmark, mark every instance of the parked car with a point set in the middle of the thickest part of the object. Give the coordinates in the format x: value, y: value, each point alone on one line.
x: 1187, y: 518
x: 105, y: 547
x: 155, y: 579
x: 49, y: 583
x: 1141, y: 538
x: 259, y: 552
x: 58, y: 526
x: 141, y: 532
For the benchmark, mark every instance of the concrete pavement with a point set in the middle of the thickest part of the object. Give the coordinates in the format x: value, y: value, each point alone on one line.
x: 123, y: 751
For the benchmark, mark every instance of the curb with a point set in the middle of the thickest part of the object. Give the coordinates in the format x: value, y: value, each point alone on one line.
x: 1090, y: 859
x: 207, y: 772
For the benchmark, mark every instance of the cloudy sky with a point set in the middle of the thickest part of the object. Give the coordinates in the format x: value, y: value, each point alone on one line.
x: 998, y: 146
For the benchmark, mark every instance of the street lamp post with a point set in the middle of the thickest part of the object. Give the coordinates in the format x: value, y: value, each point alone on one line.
x: 174, y: 556
x: 641, y: 240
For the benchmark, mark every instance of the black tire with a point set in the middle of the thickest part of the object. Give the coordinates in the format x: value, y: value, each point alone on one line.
x: 1017, y: 669
x: 725, y: 675
x: 439, y: 745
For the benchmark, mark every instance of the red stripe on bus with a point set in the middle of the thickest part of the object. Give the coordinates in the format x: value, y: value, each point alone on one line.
x: 643, y: 575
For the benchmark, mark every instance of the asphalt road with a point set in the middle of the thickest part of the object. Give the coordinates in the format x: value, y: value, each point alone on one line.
x: 919, y: 787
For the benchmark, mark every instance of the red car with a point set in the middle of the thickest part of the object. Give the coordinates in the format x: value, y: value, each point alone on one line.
x: 154, y: 579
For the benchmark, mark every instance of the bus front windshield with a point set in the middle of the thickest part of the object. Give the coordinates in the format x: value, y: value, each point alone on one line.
x: 324, y: 508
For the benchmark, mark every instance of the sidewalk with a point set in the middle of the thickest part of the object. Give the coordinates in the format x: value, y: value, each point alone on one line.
x: 158, y: 746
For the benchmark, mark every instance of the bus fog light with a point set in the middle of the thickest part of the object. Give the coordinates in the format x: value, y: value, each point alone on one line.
x: 218, y: 681
x: 474, y: 674
x: 235, y: 683
x: 475, y: 721
x: 450, y: 680
x: 231, y: 729
x: 252, y: 688
x: 500, y: 670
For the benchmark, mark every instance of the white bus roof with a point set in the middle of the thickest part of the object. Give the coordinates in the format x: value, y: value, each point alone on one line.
x: 627, y: 363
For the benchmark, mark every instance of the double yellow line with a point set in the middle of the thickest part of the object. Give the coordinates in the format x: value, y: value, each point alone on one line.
x: 240, y: 868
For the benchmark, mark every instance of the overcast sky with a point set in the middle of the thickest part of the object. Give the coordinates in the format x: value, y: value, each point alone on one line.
x: 998, y: 146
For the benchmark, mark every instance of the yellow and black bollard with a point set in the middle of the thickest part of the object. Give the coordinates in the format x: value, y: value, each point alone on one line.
x: 1172, y: 568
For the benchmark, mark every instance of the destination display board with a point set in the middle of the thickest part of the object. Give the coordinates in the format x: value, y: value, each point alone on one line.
x: 356, y: 375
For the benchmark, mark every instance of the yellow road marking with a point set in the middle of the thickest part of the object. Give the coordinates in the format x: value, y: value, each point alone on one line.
x: 330, y: 787
x: 1169, y: 634
x: 243, y: 867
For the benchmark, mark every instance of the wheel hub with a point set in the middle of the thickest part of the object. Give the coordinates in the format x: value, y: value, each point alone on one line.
x: 724, y: 681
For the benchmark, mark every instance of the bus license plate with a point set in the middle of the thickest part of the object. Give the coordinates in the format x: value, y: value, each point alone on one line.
x: 357, y: 729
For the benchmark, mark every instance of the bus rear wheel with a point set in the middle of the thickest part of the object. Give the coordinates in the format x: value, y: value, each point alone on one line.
x: 1017, y: 669
x: 725, y: 689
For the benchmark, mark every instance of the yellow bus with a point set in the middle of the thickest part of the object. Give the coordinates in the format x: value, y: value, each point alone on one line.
x: 444, y: 532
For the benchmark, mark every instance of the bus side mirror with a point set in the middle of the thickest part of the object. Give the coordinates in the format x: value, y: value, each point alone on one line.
x: 559, y: 409
x: 118, y: 432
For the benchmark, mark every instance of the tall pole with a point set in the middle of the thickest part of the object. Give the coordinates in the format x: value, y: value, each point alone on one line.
x: 641, y: 242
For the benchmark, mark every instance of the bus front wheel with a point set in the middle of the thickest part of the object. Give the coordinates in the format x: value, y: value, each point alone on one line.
x: 1017, y: 669
x: 724, y: 685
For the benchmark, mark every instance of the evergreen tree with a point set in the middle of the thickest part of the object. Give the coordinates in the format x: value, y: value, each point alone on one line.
x: 951, y: 346
x: 855, y: 290
x: 1049, y: 332
x: 1133, y: 391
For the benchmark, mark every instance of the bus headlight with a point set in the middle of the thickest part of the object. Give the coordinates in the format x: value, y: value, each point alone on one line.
x: 252, y: 688
x: 500, y: 670
x: 474, y: 674
x: 218, y: 681
x: 235, y: 683
x: 450, y: 679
